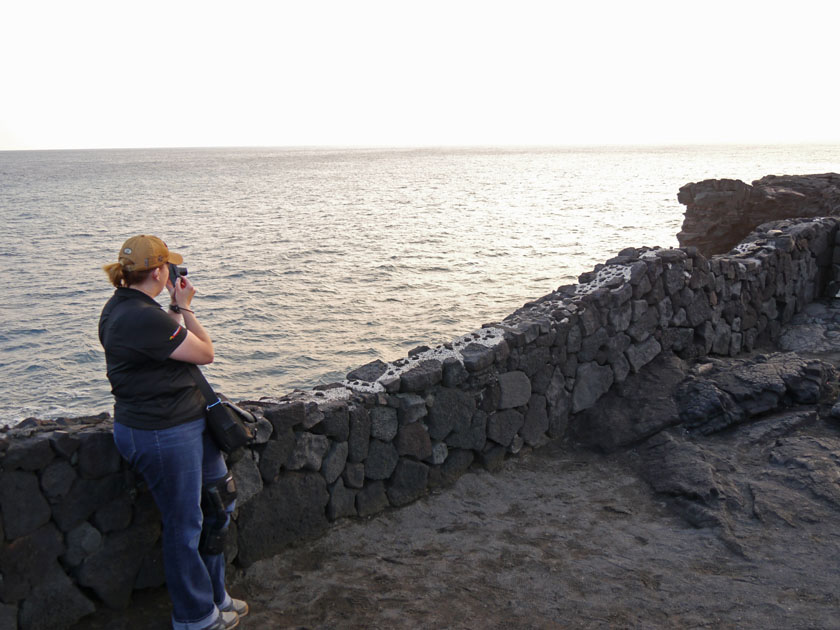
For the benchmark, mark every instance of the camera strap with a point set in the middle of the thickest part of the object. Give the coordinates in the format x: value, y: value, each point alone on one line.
x: 209, y: 395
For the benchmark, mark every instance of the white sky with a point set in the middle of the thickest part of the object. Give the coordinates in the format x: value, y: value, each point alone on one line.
x: 81, y: 74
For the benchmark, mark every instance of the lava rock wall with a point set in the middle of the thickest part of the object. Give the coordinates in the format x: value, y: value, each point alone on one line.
x: 79, y: 529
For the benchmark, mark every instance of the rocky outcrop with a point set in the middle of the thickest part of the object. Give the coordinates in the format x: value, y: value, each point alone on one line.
x: 722, y: 212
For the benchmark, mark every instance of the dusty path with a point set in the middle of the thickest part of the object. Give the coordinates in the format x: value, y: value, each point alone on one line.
x: 556, y: 539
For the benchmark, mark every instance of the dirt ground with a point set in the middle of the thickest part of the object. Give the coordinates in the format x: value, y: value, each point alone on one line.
x: 556, y: 539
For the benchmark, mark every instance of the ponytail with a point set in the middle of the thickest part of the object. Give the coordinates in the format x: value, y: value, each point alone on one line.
x: 115, y: 274
x: 120, y: 278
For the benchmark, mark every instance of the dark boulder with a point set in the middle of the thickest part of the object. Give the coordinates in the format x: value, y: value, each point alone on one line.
x: 286, y: 416
x: 354, y: 475
x: 492, y: 457
x: 359, y: 433
x: 472, y: 437
x: 383, y: 423
x: 64, y: 443
x: 477, y: 357
x: 502, y: 426
x: 536, y: 422
x: 98, y: 455
x: 291, y: 509
x: 723, y: 393
x: 342, y: 501
x: 413, y: 440
x: 115, y: 515
x: 24, y: 507
x: 454, y: 372
x: 381, y: 460
x: 371, y: 499
x: 705, y: 407
x: 82, y: 541
x: 334, y: 461
x: 369, y: 372
x: 112, y: 570
x: 410, y: 408
x: 275, y: 454
x: 336, y: 422
x: 247, y: 477
x: 591, y: 382
x: 57, y: 479
x: 23, y: 561
x: 515, y: 389
x: 452, y: 410
x: 457, y: 463
x: 32, y: 453
x: 308, y: 452
x: 633, y: 410
x: 408, y: 482
x: 422, y: 376
x: 54, y: 603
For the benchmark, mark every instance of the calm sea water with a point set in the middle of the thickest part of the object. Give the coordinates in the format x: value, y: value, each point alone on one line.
x: 312, y: 262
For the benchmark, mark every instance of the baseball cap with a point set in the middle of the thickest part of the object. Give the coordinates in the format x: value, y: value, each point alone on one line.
x: 146, y: 252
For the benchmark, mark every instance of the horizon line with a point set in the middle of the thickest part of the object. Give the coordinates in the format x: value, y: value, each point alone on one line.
x: 363, y: 147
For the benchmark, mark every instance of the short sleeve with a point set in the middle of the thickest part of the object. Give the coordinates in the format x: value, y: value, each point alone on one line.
x: 157, y: 334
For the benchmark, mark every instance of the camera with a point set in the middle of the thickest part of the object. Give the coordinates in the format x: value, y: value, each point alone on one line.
x: 176, y: 272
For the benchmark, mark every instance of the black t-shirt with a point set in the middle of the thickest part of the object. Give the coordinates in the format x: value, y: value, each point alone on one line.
x: 151, y: 391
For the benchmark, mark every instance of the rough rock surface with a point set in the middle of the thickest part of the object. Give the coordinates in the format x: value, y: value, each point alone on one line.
x: 721, y: 212
x: 615, y: 423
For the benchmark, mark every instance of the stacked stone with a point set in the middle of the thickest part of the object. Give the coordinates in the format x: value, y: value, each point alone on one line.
x: 73, y: 515
x: 392, y: 431
x: 833, y: 288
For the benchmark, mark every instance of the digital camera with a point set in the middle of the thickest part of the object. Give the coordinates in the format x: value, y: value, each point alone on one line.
x: 176, y: 272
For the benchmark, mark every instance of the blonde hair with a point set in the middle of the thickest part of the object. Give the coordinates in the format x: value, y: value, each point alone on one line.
x: 119, y: 277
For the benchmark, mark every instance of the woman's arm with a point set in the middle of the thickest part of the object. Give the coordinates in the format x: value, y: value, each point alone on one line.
x: 197, y: 347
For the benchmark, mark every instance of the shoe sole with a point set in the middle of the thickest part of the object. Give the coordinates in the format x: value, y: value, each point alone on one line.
x: 241, y: 614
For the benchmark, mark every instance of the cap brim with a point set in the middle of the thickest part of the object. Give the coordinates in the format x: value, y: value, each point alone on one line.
x: 175, y: 258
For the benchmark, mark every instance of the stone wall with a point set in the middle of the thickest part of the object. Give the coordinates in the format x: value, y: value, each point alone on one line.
x: 721, y: 212
x: 79, y: 530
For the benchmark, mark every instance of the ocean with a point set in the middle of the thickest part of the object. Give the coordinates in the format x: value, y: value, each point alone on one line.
x: 310, y: 262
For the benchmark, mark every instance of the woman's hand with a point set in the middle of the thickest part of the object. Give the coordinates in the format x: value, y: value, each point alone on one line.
x: 182, y: 293
x: 197, y: 347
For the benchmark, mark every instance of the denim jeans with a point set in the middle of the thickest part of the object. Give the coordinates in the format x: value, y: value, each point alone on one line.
x: 176, y: 463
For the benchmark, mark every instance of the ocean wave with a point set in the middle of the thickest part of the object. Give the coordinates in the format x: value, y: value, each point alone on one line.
x: 335, y: 256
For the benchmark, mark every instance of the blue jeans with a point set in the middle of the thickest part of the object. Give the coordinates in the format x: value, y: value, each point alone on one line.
x: 176, y: 463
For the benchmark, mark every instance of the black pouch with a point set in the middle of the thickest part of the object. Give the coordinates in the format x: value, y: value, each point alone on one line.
x: 230, y: 426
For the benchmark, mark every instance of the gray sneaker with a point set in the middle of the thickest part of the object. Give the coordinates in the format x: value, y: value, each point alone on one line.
x: 226, y: 620
x: 238, y: 606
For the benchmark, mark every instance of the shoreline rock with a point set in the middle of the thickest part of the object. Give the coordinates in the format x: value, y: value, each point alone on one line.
x: 720, y: 213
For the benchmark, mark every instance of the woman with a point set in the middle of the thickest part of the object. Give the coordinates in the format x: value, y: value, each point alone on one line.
x: 159, y: 427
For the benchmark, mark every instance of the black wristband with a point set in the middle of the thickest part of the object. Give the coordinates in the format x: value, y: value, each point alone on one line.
x: 177, y: 309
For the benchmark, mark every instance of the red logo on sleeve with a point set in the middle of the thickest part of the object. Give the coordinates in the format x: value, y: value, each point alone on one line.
x: 175, y: 334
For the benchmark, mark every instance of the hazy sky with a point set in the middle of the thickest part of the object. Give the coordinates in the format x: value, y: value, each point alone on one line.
x: 359, y: 73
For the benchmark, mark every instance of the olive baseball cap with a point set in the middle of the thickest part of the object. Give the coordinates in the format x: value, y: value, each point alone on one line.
x: 143, y: 252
